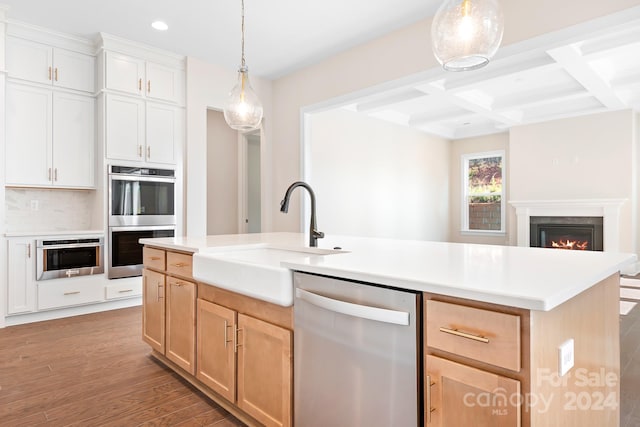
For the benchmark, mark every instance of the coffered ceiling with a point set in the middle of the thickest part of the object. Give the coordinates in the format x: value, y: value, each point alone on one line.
x: 592, y: 74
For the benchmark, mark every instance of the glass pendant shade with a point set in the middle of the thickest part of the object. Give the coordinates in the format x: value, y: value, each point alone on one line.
x: 466, y: 33
x: 243, y: 110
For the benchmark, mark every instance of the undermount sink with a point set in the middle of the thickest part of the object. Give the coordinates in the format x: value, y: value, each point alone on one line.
x: 253, y: 271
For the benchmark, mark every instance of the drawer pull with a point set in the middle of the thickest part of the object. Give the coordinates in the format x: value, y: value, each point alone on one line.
x: 124, y: 291
x: 154, y: 258
x: 459, y: 333
x: 179, y: 264
x: 72, y: 293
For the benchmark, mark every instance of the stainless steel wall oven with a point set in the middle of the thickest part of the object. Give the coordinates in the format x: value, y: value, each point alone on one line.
x: 69, y: 257
x: 141, y: 205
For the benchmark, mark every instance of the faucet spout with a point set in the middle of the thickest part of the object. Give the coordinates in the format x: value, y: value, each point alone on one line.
x: 314, y: 234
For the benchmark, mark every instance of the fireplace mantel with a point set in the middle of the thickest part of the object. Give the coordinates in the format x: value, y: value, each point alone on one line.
x: 608, y: 209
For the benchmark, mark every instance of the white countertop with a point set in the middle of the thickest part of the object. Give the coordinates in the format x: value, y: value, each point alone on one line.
x: 530, y: 278
x: 54, y: 233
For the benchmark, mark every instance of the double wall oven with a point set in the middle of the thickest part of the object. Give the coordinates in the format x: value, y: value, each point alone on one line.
x: 141, y: 205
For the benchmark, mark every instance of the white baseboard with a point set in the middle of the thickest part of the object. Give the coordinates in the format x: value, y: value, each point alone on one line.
x: 21, y: 319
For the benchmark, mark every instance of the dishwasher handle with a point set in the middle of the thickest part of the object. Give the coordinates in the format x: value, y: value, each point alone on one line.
x: 363, y: 311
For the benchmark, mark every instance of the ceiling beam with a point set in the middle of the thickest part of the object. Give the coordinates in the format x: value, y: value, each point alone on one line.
x: 575, y: 64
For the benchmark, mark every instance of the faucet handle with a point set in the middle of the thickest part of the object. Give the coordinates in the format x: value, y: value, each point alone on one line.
x: 318, y: 234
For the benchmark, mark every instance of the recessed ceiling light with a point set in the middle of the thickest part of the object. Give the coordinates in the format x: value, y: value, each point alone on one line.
x: 160, y: 25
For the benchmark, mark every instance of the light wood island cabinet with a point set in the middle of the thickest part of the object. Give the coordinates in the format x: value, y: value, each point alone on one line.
x: 235, y: 349
x: 493, y: 365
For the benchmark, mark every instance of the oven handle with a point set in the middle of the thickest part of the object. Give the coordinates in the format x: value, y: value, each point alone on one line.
x: 115, y: 177
x: 363, y: 311
x: 72, y: 246
x: 142, y: 228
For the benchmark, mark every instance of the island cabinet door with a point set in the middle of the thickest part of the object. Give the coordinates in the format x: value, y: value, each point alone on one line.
x: 153, y: 309
x: 264, y: 371
x: 216, y: 348
x: 459, y: 395
x: 181, y: 323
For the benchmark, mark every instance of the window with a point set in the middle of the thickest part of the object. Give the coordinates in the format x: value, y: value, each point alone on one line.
x: 483, y: 198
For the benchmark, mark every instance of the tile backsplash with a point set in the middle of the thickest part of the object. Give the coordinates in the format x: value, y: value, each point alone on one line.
x: 30, y: 209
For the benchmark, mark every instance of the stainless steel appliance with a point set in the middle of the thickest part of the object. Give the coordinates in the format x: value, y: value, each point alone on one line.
x: 141, y: 205
x: 356, y: 358
x: 141, y: 196
x: 69, y: 257
x: 125, y: 254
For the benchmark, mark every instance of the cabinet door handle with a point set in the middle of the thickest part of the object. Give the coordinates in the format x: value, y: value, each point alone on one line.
x: 124, y: 291
x: 55, y: 173
x: 226, y: 334
x: 29, y: 250
x: 467, y: 335
x: 428, y: 406
x: 160, y: 288
x: 139, y: 150
x: 56, y: 73
x: 49, y: 73
x: 237, y: 343
x: 149, y: 86
x: 72, y: 293
x: 49, y: 175
x: 148, y: 152
x: 140, y: 84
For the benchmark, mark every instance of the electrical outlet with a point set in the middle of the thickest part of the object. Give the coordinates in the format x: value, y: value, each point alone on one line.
x: 35, y: 205
x: 565, y: 357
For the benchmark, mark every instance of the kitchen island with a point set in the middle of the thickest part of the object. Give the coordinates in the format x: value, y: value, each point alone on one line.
x: 505, y: 311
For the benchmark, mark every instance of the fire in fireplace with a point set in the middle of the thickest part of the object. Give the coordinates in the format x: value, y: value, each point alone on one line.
x: 567, y: 232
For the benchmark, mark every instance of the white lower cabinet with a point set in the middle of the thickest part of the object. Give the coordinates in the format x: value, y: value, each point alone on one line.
x: 68, y: 292
x: 21, y: 284
x: 124, y: 288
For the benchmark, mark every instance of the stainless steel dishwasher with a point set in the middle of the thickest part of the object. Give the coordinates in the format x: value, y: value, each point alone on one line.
x: 356, y: 359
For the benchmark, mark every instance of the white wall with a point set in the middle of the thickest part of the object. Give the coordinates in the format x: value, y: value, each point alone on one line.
x: 58, y: 210
x: 378, y: 179
x: 222, y: 175
x: 207, y: 88
x: 458, y: 149
x: 588, y: 157
x: 400, y: 54
x: 253, y: 183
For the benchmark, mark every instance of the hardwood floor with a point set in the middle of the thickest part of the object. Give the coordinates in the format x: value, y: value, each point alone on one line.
x: 94, y: 370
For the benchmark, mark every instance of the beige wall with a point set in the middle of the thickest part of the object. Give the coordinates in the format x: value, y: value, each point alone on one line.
x: 588, y: 157
x: 377, y: 179
x: 207, y: 88
x: 458, y: 149
x: 400, y: 54
x: 222, y: 175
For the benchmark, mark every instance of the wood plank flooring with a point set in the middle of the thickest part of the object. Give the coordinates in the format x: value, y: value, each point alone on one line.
x: 94, y: 370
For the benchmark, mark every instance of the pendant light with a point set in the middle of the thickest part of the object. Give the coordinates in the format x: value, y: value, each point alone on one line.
x: 466, y: 33
x: 243, y: 110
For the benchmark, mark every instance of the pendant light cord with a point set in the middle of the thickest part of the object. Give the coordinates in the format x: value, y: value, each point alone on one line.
x: 242, y: 61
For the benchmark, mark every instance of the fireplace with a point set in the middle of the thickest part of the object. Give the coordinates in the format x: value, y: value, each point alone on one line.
x: 608, y: 209
x: 566, y: 232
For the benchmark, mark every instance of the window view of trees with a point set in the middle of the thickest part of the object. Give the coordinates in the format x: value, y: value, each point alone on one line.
x: 484, y: 192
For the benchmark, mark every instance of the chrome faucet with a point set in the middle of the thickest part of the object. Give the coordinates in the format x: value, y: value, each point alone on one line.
x: 314, y: 234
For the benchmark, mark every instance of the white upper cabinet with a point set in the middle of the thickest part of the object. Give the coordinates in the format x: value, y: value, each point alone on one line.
x: 135, y: 76
x: 124, y: 127
x: 50, y: 138
x: 41, y: 63
x: 124, y: 73
x: 163, y: 132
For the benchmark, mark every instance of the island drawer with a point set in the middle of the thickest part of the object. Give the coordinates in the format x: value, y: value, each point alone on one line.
x: 153, y: 258
x: 180, y: 264
x: 484, y: 335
